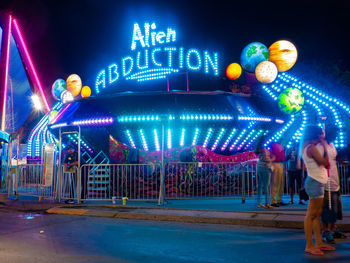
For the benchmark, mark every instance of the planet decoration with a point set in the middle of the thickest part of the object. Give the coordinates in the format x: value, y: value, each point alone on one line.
x: 291, y: 100
x: 234, y: 71
x: 284, y: 54
x: 58, y: 87
x: 85, y: 92
x: 266, y: 72
x: 67, y: 96
x: 74, y: 84
x: 52, y: 115
x: 253, y: 54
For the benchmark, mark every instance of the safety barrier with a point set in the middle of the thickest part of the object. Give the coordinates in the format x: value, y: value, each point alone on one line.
x: 143, y: 181
x: 209, y: 179
x: 133, y: 181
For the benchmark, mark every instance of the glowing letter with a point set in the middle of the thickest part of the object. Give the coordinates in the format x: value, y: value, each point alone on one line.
x: 171, y: 34
x: 170, y: 50
x: 153, y: 34
x: 127, y: 72
x: 154, y: 59
x: 137, y: 36
x: 113, y: 70
x: 100, y: 80
x: 160, y: 37
x: 188, y: 59
x: 213, y: 64
x: 181, y: 58
x: 138, y: 60
x: 147, y: 34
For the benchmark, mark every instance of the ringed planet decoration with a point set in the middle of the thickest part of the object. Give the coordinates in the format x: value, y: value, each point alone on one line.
x: 234, y: 71
x: 266, y: 72
x: 74, y: 84
x: 58, y: 87
x: 253, y: 54
x: 85, y: 92
x: 291, y: 100
x: 284, y: 54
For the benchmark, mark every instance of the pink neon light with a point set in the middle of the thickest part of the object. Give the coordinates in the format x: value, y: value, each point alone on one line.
x: 188, y: 88
x: 6, y: 75
x: 58, y: 116
x: 31, y: 66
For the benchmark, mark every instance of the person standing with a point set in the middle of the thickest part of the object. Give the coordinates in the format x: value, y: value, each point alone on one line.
x: 294, y: 172
x: 70, y: 164
x: 315, y: 156
x: 277, y: 153
x: 332, y: 209
x: 263, y: 172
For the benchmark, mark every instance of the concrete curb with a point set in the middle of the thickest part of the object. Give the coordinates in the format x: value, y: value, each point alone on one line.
x: 261, y: 219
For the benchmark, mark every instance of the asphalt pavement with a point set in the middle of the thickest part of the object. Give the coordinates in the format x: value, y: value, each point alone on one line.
x: 39, y: 237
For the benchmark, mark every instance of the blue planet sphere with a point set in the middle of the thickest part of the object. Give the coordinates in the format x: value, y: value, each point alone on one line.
x: 253, y: 54
x: 58, y: 87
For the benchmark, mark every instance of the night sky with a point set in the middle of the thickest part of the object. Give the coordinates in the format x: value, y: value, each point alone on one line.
x: 83, y: 36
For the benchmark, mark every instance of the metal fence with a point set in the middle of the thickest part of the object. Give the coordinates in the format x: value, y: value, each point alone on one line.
x: 143, y: 181
x: 134, y: 181
x: 209, y: 179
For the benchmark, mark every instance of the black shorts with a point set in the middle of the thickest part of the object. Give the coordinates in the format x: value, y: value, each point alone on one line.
x: 295, y: 176
x: 330, y: 216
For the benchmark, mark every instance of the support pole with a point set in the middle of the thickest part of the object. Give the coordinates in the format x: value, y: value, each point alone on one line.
x: 162, y: 182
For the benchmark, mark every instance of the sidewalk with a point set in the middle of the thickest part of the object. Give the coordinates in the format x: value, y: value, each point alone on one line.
x: 217, y: 211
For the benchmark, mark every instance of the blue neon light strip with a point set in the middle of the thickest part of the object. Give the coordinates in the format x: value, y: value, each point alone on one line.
x: 246, y: 139
x: 238, y: 139
x: 206, y: 117
x: 194, y: 141
x: 182, y: 140
x: 185, y: 117
x: 156, y: 140
x: 143, y: 139
x: 297, y: 135
x: 253, y: 118
x: 317, y: 98
x: 253, y: 139
x: 138, y: 118
x: 224, y: 146
x: 152, y: 74
x: 222, y: 131
x: 169, y: 138
x: 130, y: 139
x: 210, y: 131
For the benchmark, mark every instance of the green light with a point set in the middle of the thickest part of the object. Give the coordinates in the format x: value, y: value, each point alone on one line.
x: 291, y: 100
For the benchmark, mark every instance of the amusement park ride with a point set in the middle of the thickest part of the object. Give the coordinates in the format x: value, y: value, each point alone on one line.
x: 123, y: 120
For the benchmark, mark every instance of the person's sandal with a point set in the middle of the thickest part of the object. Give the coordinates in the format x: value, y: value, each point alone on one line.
x: 314, y: 251
x: 291, y: 202
x: 267, y: 206
x: 260, y: 205
x: 326, y: 248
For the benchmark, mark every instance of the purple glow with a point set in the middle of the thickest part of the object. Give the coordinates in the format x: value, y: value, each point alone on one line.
x: 31, y: 66
x: 6, y: 75
x: 89, y: 122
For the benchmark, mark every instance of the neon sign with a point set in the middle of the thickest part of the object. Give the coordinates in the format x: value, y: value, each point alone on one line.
x: 155, y: 57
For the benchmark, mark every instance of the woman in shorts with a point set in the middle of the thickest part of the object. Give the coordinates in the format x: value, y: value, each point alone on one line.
x: 314, y: 154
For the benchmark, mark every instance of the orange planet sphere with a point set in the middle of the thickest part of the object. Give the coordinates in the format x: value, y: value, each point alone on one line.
x: 234, y: 71
x: 74, y: 84
x: 284, y: 54
x: 85, y: 92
